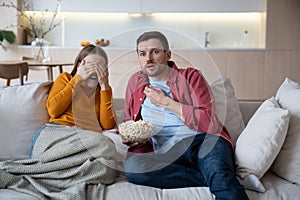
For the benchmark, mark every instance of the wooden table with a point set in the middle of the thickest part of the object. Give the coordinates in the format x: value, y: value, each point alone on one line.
x: 49, y: 64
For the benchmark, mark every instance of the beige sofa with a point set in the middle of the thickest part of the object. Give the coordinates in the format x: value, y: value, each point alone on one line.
x: 23, y: 112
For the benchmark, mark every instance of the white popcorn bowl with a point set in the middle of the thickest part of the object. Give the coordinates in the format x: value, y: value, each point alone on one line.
x: 139, y: 131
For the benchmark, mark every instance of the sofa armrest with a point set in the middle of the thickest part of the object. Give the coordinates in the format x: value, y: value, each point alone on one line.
x: 248, y: 108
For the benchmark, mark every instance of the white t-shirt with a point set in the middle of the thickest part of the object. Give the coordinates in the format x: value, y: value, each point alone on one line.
x: 169, y: 129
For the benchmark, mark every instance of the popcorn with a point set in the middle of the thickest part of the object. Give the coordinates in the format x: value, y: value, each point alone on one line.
x: 138, y: 131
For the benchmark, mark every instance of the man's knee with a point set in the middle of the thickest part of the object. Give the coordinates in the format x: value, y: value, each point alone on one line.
x: 138, y: 164
x: 134, y: 170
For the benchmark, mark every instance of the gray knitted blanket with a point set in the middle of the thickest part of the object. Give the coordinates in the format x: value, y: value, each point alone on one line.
x: 67, y: 163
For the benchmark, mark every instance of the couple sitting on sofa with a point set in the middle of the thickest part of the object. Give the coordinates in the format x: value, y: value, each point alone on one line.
x: 191, y: 147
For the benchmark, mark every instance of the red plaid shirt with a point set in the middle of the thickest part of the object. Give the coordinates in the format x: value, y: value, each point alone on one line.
x: 189, y: 87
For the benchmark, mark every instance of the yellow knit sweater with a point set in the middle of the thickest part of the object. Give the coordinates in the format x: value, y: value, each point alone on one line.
x: 70, y: 103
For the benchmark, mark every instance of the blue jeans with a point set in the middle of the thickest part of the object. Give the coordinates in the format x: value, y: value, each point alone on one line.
x: 208, y: 161
x: 36, y: 135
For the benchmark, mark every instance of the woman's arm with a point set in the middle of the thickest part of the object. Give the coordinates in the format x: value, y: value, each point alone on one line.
x: 107, y: 116
x: 60, y: 95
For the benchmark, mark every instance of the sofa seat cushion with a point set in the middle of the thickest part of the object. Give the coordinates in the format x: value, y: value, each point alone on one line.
x: 276, y: 188
x: 7, y: 194
x: 128, y: 191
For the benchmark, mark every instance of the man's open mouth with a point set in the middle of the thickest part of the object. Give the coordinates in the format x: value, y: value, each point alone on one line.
x: 150, y: 65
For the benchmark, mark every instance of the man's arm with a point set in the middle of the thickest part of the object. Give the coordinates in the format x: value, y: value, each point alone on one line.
x: 198, y: 112
x: 159, y: 98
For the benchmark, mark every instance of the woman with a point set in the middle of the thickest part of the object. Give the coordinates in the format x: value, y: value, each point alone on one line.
x: 84, y: 97
x: 88, y: 78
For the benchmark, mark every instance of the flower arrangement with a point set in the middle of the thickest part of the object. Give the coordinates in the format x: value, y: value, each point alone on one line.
x: 36, y: 25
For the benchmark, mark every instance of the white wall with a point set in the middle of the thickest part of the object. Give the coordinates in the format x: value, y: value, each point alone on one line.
x: 225, y: 20
x: 147, y: 6
x: 226, y: 30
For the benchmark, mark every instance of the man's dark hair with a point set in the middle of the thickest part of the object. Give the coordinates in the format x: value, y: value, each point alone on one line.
x: 153, y: 35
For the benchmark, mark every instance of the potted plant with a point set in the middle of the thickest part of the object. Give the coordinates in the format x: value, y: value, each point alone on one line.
x: 36, y: 25
x: 8, y: 36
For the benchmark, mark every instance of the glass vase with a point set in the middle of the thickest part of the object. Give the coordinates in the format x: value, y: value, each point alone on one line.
x: 40, y: 49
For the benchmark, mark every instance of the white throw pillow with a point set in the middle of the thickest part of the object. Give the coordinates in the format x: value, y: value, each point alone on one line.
x: 251, y: 182
x: 228, y: 110
x: 23, y: 112
x: 287, y: 163
x: 261, y: 140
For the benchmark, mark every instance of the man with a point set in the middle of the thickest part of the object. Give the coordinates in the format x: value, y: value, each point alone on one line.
x: 190, y: 147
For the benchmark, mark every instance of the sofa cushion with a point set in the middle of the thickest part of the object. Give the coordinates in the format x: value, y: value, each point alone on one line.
x: 228, y: 110
x: 128, y: 191
x: 261, y: 140
x: 287, y: 163
x: 23, y: 112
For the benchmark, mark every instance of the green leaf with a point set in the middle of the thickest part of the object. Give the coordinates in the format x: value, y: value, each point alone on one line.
x: 9, y: 36
x: 1, y: 36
